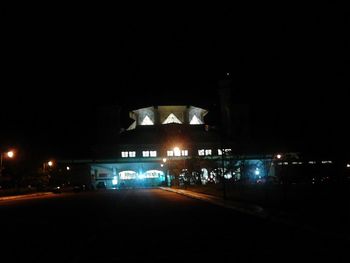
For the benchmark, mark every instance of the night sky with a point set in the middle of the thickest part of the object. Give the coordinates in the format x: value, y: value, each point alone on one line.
x: 68, y: 69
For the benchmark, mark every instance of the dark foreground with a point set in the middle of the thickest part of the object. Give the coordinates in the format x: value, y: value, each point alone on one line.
x: 150, y: 225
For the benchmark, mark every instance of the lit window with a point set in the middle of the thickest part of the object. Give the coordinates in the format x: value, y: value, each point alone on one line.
x: 125, y: 154
x: 171, y: 119
x: 153, y: 153
x: 201, y: 152
x: 132, y: 154
x: 177, y: 151
x: 227, y: 151
x: 147, y: 121
x: 127, y: 175
x: 153, y: 174
x: 195, y: 120
x: 115, y: 180
x: 170, y: 153
x: 184, y: 152
x: 145, y: 153
x: 207, y: 152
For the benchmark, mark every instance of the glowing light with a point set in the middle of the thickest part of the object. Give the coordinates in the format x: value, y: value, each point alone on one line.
x: 257, y: 171
x: 147, y: 121
x: 50, y: 163
x: 115, y: 180
x: 208, y: 152
x: 226, y: 151
x: 153, y: 174
x: 10, y: 154
x: 172, y: 119
x: 195, y: 120
x: 177, y: 151
x: 161, y: 165
x: 348, y: 165
x: 127, y: 175
x: 228, y: 175
x: 279, y: 156
x: 164, y: 160
x: 184, y: 152
x: 68, y: 168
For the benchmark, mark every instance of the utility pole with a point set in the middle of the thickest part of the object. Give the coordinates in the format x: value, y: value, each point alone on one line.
x: 226, y: 122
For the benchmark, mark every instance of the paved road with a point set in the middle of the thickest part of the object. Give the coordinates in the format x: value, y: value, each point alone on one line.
x: 149, y: 224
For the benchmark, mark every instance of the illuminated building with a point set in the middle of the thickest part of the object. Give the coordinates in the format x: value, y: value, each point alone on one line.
x: 169, y: 145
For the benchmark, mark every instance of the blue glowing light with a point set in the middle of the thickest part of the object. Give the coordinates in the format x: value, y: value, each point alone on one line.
x: 257, y: 171
x: 115, y: 180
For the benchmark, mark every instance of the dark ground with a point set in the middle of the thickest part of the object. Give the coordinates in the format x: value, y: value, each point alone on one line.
x: 149, y: 225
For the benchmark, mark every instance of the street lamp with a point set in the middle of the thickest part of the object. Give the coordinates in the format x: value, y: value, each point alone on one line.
x: 45, y: 164
x: 9, y: 154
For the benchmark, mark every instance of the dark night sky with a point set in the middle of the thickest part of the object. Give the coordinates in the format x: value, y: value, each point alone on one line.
x: 64, y: 67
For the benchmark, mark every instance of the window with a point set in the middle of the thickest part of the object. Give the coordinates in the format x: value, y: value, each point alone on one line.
x: 125, y: 154
x: 201, y: 152
x: 147, y: 121
x: 177, y: 151
x: 184, y: 152
x: 127, y: 175
x: 227, y: 151
x: 195, y: 120
x: 204, y: 152
x: 171, y: 119
x: 170, y: 153
x: 149, y: 153
x: 132, y: 154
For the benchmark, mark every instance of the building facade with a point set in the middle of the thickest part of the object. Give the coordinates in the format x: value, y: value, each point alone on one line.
x: 172, y: 145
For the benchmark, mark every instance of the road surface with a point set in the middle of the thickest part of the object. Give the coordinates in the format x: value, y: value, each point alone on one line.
x: 149, y: 225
